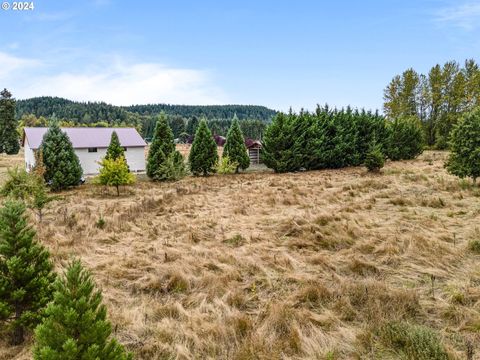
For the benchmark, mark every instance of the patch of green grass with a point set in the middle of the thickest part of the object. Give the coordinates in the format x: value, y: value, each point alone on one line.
x: 413, y: 342
x: 474, y: 246
x: 236, y: 240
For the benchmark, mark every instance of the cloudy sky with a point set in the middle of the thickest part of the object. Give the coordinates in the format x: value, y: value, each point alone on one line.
x: 278, y: 53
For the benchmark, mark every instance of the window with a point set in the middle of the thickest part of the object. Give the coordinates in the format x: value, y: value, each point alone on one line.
x: 92, y: 149
x: 124, y: 148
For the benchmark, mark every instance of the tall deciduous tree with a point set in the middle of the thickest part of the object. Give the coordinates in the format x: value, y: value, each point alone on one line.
x: 62, y: 166
x: 26, y: 273
x: 235, y: 147
x: 114, y: 150
x: 203, y: 154
x: 9, y: 141
x: 464, y: 160
x: 76, y: 325
x: 161, y: 147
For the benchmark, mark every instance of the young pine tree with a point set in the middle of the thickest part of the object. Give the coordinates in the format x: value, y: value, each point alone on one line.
x: 203, y: 154
x: 9, y: 141
x: 76, y: 325
x: 235, y: 147
x: 114, y: 150
x: 374, y: 159
x: 115, y: 173
x: 62, y: 167
x: 161, y: 147
x: 26, y: 275
x: 464, y: 159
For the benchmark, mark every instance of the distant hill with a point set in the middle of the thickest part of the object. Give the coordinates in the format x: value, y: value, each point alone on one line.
x: 91, y: 112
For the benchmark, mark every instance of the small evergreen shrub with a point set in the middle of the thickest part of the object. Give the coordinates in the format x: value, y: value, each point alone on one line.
x: 173, y: 169
x: 235, y: 148
x: 76, y: 325
x: 374, y: 159
x: 203, y: 154
x: 114, y: 150
x: 160, y: 149
x: 464, y: 159
x: 226, y: 166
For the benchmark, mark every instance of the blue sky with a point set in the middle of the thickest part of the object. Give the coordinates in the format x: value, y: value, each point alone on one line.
x: 275, y: 53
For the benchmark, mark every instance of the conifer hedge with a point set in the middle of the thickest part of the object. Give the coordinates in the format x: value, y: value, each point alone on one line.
x: 329, y: 139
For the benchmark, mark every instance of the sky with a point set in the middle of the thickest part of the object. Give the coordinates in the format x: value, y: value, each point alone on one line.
x: 276, y: 53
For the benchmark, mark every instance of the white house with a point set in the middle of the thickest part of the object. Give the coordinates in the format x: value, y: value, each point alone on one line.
x: 90, y: 145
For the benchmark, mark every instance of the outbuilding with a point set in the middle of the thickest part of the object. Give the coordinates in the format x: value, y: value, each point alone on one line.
x: 90, y: 144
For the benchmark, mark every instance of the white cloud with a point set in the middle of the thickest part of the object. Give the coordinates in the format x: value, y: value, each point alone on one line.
x: 116, y: 82
x: 466, y: 15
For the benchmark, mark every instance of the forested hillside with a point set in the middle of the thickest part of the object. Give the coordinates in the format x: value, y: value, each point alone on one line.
x: 182, y: 118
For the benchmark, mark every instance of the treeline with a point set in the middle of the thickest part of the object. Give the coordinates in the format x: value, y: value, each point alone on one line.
x: 438, y: 98
x: 143, y: 117
x: 329, y: 139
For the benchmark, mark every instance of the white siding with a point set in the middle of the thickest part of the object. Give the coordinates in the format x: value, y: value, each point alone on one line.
x: 29, y: 156
x: 89, y: 161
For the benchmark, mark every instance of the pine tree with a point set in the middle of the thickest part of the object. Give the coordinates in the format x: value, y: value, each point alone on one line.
x: 76, y: 325
x: 464, y: 160
x: 203, y: 154
x: 114, y: 172
x: 161, y: 147
x: 192, y: 125
x: 9, y: 142
x: 235, y: 147
x: 114, y: 150
x: 374, y: 159
x: 62, y: 167
x: 26, y: 275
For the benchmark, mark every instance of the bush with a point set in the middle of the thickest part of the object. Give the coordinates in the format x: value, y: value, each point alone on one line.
x: 405, y: 138
x: 18, y: 184
x: 474, y: 246
x: 277, y: 150
x: 415, y: 342
x: 172, y: 169
x: 374, y: 160
x: 62, y: 167
x: 464, y: 159
x: 226, y: 166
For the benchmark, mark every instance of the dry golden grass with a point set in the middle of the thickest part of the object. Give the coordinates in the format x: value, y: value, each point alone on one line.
x: 268, y: 266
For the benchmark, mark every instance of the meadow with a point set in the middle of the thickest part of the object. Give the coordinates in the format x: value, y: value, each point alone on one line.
x: 319, y: 265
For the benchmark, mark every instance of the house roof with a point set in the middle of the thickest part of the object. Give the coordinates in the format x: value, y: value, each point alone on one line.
x: 87, y: 137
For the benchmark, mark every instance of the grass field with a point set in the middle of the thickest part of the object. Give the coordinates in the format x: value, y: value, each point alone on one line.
x: 317, y: 265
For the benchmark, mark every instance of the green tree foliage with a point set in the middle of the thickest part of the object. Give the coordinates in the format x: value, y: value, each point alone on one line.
x: 226, y: 166
x: 438, y: 99
x: 29, y: 187
x: 277, y: 150
x: 173, y: 168
x: 161, y: 147
x: 114, y: 150
x: 177, y: 124
x: 405, y: 139
x: 464, y: 159
x: 321, y: 140
x: 26, y: 275
x: 115, y: 172
x: 9, y: 141
x: 374, y: 158
x: 192, y: 125
x: 76, y: 325
x: 203, y: 154
x: 62, y: 167
x: 235, y: 148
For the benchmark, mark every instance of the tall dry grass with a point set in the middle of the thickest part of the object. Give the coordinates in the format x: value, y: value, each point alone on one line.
x: 266, y: 266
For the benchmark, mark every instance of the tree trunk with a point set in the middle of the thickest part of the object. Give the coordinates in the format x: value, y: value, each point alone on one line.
x: 118, y: 191
x: 17, y: 335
